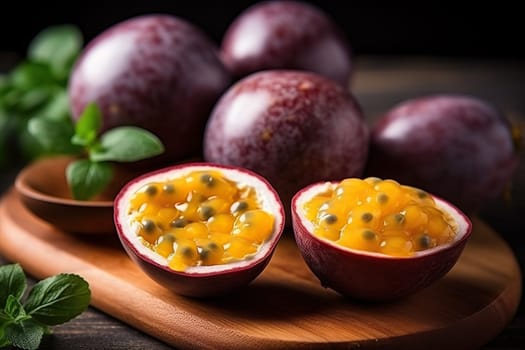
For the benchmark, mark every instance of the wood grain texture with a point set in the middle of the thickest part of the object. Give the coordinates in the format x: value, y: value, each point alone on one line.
x: 285, y: 306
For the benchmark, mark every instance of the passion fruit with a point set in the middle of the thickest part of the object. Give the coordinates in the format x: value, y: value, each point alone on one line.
x: 156, y: 71
x: 292, y: 127
x: 287, y: 35
x: 199, y: 229
x: 458, y: 147
x: 375, y: 239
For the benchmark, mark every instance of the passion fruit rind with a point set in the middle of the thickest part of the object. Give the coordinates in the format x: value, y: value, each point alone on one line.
x: 374, y: 276
x: 199, y: 281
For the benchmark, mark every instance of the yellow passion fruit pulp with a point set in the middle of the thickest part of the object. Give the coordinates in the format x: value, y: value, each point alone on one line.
x: 379, y: 216
x: 202, y: 218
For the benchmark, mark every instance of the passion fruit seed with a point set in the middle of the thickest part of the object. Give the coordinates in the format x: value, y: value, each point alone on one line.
x: 148, y: 226
x: 217, y: 223
x: 208, y: 180
x: 168, y: 188
x: 382, y: 198
x: 424, y: 242
x: 151, y: 190
x: 392, y: 224
x: 238, y: 207
x: 179, y: 222
x: 330, y: 219
x: 206, y: 212
x: 367, y: 217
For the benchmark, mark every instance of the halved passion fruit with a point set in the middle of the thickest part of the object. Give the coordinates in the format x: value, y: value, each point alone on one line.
x: 375, y: 239
x: 199, y: 229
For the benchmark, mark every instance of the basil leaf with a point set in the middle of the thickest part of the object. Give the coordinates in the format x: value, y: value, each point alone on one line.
x: 127, y: 144
x: 57, y: 46
x: 25, y: 335
x: 58, y: 299
x: 87, y: 126
x: 53, y: 136
x: 12, y: 282
x: 87, y: 178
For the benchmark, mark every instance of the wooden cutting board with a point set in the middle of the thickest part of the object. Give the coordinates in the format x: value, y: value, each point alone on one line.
x: 285, y: 306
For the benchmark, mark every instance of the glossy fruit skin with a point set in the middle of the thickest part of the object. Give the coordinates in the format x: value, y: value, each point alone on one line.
x: 457, y: 147
x: 292, y: 127
x: 374, y: 277
x: 157, y: 72
x: 202, y: 284
x: 287, y: 35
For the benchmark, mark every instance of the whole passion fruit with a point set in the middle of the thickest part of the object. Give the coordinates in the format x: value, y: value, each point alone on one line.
x: 287, y: 35
x: 375, y: 239
x: 199, y: 229
x: 292, y: 127
x: 158, y: 72
x: 458, y: 147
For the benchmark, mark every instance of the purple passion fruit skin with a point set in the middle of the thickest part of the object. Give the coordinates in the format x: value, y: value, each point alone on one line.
x: 457, y: 147
x: 286, y: 35
x: 294, y: 128
x: 157, y: 72
x: 371, y: 276
x: 203, y: 280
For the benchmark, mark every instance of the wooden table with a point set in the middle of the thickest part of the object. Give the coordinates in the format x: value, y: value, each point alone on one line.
x: 379, y: 83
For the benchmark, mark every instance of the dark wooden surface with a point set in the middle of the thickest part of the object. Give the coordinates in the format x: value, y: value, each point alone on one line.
x: 379, y: 83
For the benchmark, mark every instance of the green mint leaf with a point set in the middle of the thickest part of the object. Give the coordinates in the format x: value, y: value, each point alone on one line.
x: 34, y: 99
x: 57, y: 107
x: 29, y: 75
x: 4, y: 318
x: 127, y: 144
x: 3, y: 338
x: 87, y: 178
x: 88, y: 126
x: 12, y: 282
x: 53, y: 136
x: 58, y: 299
x: 26, y: 334
x: 14, y: 309
x: 57, y: 46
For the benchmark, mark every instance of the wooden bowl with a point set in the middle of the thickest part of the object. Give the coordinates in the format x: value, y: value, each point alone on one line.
x: 43, y: 189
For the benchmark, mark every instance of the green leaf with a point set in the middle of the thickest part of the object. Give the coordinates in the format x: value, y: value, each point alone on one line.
x: 88, y: 126
x: 14, y: 309
x: 12, y: 282
x: 57, y: 46
x: 29, y: 75
x: 127, y: 144
x: 57, y: 107
x: 34, y: 98
x: 58, y: 299
x: 87, y: 178
x: 53, y: 136
x: 3, y: 338
x: 5, y: 320
x: 26, y: 334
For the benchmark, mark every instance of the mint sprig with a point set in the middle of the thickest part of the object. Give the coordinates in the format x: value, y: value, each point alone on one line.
x: 88, y: 176
x: 51, y: 301
x: 36, y: 88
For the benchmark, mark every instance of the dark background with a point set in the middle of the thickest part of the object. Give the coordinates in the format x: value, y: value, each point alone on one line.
x: 487, y: 31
